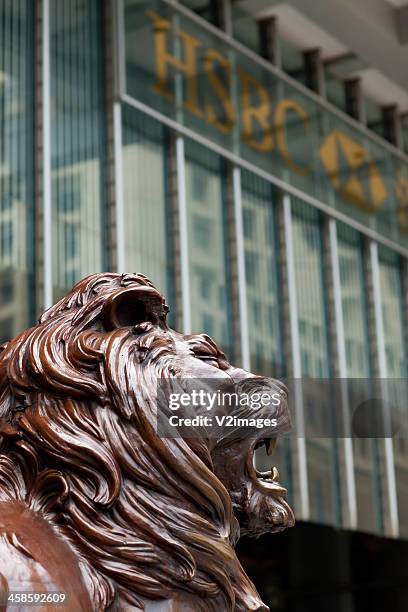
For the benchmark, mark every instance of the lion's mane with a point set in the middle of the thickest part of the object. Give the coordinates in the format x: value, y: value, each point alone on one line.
x: 147, y: 516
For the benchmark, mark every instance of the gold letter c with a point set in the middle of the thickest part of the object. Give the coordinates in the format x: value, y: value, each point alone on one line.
x: 280, y: 117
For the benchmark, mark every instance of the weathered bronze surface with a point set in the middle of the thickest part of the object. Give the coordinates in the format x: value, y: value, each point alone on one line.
x: 93, y: 503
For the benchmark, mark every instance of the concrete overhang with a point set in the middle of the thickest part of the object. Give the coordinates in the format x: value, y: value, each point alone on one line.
x: 375, y: 30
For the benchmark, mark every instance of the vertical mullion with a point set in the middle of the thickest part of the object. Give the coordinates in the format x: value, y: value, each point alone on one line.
x: 58, y: 130
x: 87, y: 155
x: 227, y: 15
x: 183, y: 235
x: 241, y: 273
x: 117, y: 162
x: 296, y: 366
x: 181, y: 194
x: 382, y: 372
x: 16, y: 32
x: 119, y: 75
x: 14, y: 220
x: 72, y: 220
x: 119, y: 203
x: 46, y: 155
x: 3, y: 190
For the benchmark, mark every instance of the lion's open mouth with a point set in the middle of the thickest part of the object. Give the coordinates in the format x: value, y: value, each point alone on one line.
x: 267, y: 481
x: 261, y: 506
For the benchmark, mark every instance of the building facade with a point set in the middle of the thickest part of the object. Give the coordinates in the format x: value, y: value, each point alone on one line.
x: 254, y: 164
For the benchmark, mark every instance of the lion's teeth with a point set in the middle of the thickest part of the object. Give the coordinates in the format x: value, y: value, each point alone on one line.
x: 275, y: 473
x: 270, y: 444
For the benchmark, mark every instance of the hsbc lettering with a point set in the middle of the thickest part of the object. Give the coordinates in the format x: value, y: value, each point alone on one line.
x: 259, y: 122
x: 220, y: 93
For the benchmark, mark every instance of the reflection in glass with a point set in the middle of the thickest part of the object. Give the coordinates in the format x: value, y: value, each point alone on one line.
x: 263, y: 300
x: 355, y: 316
x: 16, y: 167
x: 245, y: 28
x: 147, y: 206
x: 77, y: 141
x: 207, y: 9
x: 261, y: 263
x: 334, y: 85
x: 396, y: 360
x: 209, y: 279
x: 315, y: 361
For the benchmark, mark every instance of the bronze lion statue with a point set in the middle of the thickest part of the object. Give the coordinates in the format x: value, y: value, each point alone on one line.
x: 93, y: 502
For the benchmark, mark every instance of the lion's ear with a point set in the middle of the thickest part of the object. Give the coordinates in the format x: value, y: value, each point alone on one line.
x: 133, y: 306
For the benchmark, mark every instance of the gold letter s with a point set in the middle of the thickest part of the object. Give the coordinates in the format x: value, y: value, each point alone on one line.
x: 220, y: 89
x: 258, y: 113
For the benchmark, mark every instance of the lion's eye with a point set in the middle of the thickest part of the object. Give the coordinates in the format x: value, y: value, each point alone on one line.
x: 132, y: 307
x: 130, y: 312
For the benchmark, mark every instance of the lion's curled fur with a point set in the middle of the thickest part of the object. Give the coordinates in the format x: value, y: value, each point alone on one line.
x: 147, y: 516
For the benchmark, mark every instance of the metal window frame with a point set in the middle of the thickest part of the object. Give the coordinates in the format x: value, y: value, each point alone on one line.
x: 119, y: 85
x: 119, y: 199
x: 46, y: 155
x: 119, y: 72
x: 184, y: 261
x: 183, y: 236
x: 241, y: 272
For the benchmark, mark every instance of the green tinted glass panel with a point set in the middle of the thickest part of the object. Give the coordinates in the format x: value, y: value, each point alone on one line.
x: 209, y: 278
x: 353, y: 300
x: 245, y: 28
x: 77, y: 141
x: 292, y: 60
x: 355, y: 318
x: 334, y: 89
x: 194, y: 76
x: 16, y: 167
x: 315, y: 358
x: 311, y: 299
x: 146, y: 201
x: 392, y: 309
x: 262, y: 283
x: 206, y: 9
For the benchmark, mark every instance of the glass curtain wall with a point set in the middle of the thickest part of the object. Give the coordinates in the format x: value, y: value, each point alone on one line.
x: 356, y: 338
x: 324, y: 490
x: 77, y: 141
x: 16, y: 166
x: 208, y: 245
x: 396, y: 359
x: 146, y: 199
